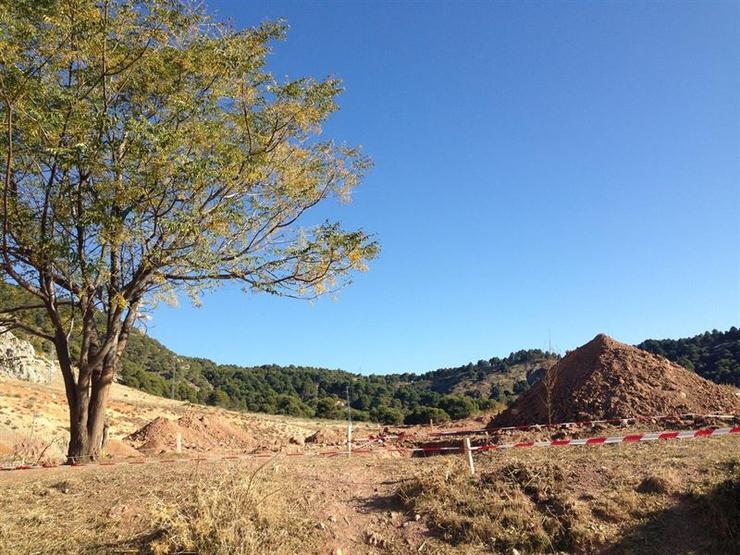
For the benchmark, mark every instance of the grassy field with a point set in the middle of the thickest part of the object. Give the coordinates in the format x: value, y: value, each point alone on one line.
x: 673, y: 497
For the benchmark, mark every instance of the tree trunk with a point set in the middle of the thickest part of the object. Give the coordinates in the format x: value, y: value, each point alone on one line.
x: 96, y: 411
x: 88, y: 395
x: 79, y: 440
x: 78, y: 400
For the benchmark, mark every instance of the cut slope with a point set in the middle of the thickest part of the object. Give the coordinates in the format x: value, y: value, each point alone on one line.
x: 608, y: 379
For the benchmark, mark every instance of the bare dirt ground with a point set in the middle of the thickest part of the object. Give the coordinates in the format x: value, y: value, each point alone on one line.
x: 34, y: 423
x: 679, y: 496
x: 647, y: 498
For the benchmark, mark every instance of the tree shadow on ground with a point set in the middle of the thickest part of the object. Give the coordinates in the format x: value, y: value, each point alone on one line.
x: 381, y: 503
x: 140, y: 543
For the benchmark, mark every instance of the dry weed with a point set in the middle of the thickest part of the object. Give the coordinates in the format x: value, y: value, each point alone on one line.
x: 230, y: 514
x: 517, y: 506
x: 721, y: 507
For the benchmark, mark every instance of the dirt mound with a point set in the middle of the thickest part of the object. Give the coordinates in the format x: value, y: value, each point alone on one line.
x: 5, y: 451
x: 159, y: 435
x: 608, y: 379
x: 217, y: 429
x: 326, y: 436
x: 118, y: 449
x: 199, y: 432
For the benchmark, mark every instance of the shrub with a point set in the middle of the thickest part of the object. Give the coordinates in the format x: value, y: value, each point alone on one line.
x: 387, y: 415
x: 422, y: 415
x: 457, y: 407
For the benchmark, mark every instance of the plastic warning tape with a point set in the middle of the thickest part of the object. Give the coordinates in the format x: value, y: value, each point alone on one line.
x: 601, y: 440
x: 219, y: 458
x: 626, y: 420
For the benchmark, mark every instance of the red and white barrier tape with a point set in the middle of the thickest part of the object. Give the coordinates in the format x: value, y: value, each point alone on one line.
x: 218, y: 458
x: 602, y: 440
x: 627, y: 420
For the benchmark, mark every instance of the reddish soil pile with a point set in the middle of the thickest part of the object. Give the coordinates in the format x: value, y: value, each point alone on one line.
x: 118, y: 449
x: 217, y: 429
x: 326, y: 436
x: 608, y: 379
x: 5, y: 450
x: 200, y: 432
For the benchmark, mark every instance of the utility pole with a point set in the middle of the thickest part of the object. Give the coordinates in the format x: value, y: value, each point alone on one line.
x: 174, y: 380
x: 349, y: 426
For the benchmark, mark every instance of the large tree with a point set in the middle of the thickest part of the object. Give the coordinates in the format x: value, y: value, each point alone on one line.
x: 147, y: 153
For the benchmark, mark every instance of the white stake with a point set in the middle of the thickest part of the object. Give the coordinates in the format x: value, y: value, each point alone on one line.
x: 178, y: 442
x: 469, y: 454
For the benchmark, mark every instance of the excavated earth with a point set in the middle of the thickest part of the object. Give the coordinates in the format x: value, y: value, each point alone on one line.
x: 606, y: 379
x: 199, y: 432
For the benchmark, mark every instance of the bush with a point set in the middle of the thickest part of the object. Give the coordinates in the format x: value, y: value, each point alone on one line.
x: 290, y: 405
x: 457, y: 407
x: 387, y: 415
x: 218, y: 398
x: 422, y: 415
x: 328, y: 407
x: 520, y: 387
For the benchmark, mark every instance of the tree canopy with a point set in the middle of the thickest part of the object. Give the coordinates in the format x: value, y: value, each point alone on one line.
x: 147, y: 152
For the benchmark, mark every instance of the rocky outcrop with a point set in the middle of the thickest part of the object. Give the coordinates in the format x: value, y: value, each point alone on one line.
x: 18, y: 360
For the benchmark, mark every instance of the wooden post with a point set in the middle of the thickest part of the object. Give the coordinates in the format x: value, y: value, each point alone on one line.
x: 468, y: 454
x: 178, y: 443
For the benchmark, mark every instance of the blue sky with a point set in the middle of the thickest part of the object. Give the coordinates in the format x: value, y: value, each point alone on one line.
x: 562, y: 168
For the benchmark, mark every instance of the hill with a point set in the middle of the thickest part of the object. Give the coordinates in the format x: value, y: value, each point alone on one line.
x: 714, y: 355
x: 607, y: 379
x: 454, y: 392
x: 305, y: 391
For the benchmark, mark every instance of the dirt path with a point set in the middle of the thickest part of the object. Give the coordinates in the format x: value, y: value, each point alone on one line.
x: 351, y: 503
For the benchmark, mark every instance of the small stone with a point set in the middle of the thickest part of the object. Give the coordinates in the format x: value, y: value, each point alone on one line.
x: 417, y: 517
x: 320, y: 525
x: 332, y: 518
x: 375, y: 539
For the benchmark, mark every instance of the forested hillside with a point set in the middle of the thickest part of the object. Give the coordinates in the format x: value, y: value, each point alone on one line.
x: 713, y: 355
x: 439, y: 395
x: 306, y: 391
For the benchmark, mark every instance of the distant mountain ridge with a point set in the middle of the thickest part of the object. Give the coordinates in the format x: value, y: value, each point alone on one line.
x: 455, y: 392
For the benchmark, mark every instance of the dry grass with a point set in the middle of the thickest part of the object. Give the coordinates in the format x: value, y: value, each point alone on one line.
x: 573, y: 500
x: 230, y: 514
x: 516, y: 506
x: 636, y: 499
x: 218, y: 509
x: 720, y: 507
x: 665, y: 482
